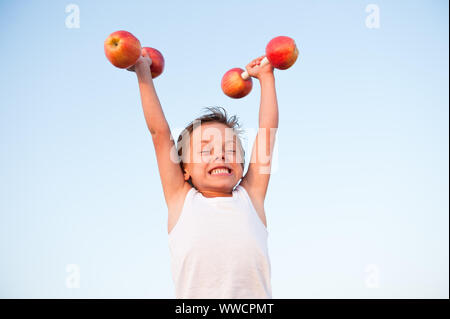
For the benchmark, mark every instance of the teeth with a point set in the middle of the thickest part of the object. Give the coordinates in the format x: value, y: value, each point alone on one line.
x: 219, y: 171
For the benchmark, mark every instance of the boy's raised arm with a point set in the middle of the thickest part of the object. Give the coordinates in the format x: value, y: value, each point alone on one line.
x: 170, y: 171
x: 256, y: 179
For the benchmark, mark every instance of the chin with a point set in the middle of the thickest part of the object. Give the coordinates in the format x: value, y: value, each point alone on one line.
x: 224, y: 184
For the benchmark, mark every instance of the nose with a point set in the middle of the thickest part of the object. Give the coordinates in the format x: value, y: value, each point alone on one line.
x: 219, y: 154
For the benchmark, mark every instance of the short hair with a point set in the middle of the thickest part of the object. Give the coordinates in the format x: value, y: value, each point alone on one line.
x: 215, y: 114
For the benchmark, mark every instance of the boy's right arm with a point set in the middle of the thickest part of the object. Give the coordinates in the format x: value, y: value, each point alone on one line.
x: 170, y: 172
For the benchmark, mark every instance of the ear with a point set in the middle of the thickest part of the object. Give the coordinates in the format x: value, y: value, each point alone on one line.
x: 186, y: 175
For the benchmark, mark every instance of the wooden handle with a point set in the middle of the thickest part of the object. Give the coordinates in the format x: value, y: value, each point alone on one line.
x: 245, y: 75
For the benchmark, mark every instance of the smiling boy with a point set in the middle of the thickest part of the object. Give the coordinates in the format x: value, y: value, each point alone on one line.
x: 216, y: 218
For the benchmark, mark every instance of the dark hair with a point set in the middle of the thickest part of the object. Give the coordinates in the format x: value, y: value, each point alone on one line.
x: 214, y: 114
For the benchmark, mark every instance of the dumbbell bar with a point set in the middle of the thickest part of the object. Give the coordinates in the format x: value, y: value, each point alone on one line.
x: 281, y: 52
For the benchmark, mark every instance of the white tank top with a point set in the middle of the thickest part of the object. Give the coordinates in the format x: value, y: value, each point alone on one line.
x: 219, y: 249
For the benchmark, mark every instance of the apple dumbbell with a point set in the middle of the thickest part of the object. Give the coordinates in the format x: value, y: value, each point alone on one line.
x: 281, y: 52
x: 123, y: 50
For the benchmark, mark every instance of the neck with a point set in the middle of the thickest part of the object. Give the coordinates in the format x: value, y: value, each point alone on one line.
x: 216, y: 194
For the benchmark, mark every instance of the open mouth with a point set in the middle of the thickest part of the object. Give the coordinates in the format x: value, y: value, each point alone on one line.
x: 220, y: 171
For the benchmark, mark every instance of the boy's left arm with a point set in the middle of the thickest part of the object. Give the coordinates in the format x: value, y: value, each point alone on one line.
x: 257, y: 177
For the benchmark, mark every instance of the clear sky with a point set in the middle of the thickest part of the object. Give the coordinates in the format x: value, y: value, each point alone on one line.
x: 357, y: 205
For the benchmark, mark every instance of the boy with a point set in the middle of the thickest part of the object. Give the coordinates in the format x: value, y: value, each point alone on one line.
x: 217, y: 230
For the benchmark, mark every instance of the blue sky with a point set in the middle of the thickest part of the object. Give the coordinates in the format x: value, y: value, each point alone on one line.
x: 358, y: 205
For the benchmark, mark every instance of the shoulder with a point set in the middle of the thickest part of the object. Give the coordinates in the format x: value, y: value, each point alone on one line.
x: 178, y: 200
x: 256, y: 200
x: 175, y: 206
x: 258, y: 203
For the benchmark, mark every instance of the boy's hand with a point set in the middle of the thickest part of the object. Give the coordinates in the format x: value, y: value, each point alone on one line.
x: 255, y: 70
x: 142, y: 64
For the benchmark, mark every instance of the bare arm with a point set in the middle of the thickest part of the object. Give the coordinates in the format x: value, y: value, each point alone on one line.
x: 256, y: 179
x: 153, y: 113
x: 169, y: 170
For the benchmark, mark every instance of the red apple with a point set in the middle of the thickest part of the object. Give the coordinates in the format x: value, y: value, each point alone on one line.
x: 282, y: 52
x: 157, y: 58
x: 234, y: 85
x: 122, y: 49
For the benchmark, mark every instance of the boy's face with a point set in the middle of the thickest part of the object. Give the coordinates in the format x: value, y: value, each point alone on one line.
x: 216, y: 158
